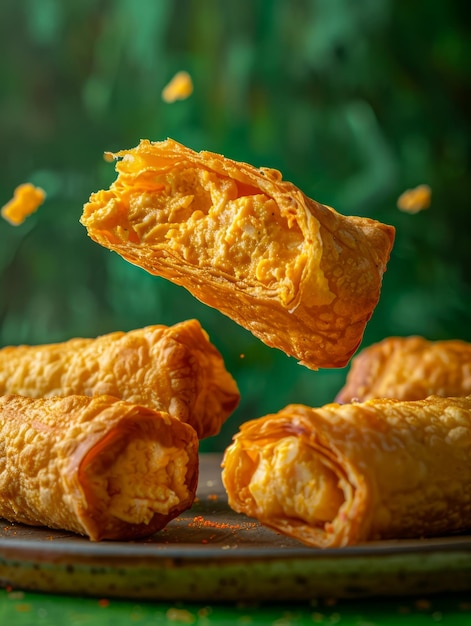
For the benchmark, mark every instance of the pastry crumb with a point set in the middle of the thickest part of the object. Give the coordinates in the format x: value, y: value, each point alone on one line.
x: 415, y: 200
x: 26, y: 200
x: 179, y: 88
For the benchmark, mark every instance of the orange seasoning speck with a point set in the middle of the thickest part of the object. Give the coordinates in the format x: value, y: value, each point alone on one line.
x: 179, y: 88
x: 103, y: 602
x: 26, y: 200
x: 415, y: 200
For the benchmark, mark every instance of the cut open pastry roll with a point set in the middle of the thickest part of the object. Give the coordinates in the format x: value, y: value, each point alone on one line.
x: 97, y: 466
x: 297, y: 274
x: 409, y: 368
x: 344, y: 474
x: 168, y: 368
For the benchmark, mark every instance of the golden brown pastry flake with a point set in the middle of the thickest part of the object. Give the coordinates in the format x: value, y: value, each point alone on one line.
x: 297, y: 274
x: 26, y: 200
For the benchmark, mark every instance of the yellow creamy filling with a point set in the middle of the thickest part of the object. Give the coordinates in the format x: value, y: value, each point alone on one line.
x: 291, y: 480
x: 134, y: 482
x: 214, y: 221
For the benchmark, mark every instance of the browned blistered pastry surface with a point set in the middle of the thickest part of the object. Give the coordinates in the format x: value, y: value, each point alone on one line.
x: 97, y: 466
x: 409, y: 368
x: 345, y: 474
x: 170, y: 368
x: 297, y: 274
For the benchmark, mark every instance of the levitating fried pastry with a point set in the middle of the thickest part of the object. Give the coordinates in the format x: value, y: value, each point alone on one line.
x: 409, y: 368
x: 98, y: 466
x: 297, y: 274
x: 344, y: 474
x: 169, y: 368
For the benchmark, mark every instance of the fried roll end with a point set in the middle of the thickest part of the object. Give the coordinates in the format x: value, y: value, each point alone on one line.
x: 99, y: 467
x: 346, y: 474
x: 297, y: 274
x: 409, y: 368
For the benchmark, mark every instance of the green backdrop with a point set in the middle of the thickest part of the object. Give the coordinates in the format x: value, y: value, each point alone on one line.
x: 354, y: 101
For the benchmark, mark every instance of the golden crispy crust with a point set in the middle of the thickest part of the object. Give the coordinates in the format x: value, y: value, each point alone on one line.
x: 96, y: 466
x: 344, y: 474
x: 409, y: 368
x: 297, y: 274
x: 175, y: 369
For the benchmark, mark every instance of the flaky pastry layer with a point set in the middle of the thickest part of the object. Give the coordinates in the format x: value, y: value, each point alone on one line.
x: 100, y: 467
x: 345, y: 474
x: 297, y: 274
x: 169, y: 368
x: 409, y: 368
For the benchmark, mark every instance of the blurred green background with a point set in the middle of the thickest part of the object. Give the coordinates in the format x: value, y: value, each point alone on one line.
x: 353, y: 100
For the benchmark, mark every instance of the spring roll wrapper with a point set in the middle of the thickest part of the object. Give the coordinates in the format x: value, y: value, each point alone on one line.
x: 169, y: 368
x: 409, y: 368
x: 297, y: 274
x: 99, y: 467
x: 346, y: 474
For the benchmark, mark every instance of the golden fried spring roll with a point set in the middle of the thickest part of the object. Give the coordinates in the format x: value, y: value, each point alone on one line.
x: 97, y: 466
x: 409, y: 368
x: 344, y: 474
x: 297, y: 274
x: 174, y: 369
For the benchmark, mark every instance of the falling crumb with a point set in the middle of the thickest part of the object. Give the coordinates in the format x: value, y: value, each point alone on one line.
x: 242, y: 356
x: 103, y: 602
x: 26, y: 200
x: 23, y: 608
x: 415, y: 200
x: 179, y: 88
x: 108, y: 157
x: 423, y: 605
x: 213, y: 496
x: 180, y: 615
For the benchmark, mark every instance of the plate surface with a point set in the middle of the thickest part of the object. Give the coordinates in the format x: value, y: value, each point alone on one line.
x: 212, y: 554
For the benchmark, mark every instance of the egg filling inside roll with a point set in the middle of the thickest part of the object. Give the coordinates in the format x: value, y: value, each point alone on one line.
x: 293, y: 480
x: 131, y: 480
